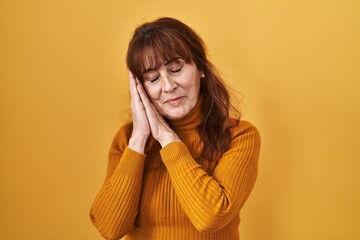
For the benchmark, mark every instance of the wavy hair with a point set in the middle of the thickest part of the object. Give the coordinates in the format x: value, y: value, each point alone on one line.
x: 155, y: 42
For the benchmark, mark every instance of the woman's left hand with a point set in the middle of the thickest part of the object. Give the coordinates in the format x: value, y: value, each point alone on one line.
x: 160, y: 130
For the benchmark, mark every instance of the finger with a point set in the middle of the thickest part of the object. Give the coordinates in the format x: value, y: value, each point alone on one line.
x: 152, y: 113
x: 158, y: 126
x: 143, y: 96
x: 133, y: 89
x: 132, y: 82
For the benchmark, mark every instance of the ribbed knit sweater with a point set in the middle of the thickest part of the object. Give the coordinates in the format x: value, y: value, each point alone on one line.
x: 169, y: 193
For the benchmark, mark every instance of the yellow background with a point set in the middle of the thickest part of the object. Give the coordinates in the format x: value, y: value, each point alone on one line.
x: 63, y: 95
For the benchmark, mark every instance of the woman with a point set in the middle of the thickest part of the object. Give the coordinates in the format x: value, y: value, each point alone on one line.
x: 183, y: 168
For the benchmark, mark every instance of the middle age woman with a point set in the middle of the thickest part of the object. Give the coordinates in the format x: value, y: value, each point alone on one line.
x: 183, y: 168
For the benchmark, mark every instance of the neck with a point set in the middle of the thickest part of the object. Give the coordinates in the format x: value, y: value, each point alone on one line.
x: 191, y: 121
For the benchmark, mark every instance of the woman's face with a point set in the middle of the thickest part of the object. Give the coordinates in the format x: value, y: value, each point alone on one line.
x: 173, y: 88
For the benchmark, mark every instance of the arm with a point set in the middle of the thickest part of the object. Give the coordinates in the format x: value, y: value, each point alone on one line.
x: 115, y: 207
x: 211, y: 202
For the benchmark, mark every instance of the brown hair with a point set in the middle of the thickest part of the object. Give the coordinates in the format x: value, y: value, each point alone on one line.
x: 155, y: 42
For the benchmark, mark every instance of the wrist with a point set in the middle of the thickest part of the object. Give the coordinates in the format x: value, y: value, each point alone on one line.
x: 169, y: 138
x: 137, y: 144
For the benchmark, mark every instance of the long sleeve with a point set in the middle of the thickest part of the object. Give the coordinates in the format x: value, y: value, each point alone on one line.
x: 211, y: 202
x: 115, y: 207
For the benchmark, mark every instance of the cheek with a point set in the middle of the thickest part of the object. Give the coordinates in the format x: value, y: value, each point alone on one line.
x: 193, y: 84
x: 152, y: 92
x: 197, y: 85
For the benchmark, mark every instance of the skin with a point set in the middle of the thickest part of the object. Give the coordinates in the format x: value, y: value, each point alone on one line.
x: 171, y: 91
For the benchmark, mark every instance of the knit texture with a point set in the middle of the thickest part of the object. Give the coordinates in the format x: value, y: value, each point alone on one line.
x: 169, y: 193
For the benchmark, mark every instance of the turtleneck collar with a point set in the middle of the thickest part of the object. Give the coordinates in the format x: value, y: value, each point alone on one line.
x: 191, y: 121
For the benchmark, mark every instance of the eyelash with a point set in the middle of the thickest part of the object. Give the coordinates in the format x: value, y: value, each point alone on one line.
x: 177, y: 70
x: 173, y: 71
x: 153, y: 80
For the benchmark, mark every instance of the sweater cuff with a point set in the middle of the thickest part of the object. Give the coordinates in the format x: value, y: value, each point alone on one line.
x: 171, y: 153
x: 131, y: 163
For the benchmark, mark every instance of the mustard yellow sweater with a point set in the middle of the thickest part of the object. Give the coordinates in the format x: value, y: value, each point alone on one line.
x: 168, y: 194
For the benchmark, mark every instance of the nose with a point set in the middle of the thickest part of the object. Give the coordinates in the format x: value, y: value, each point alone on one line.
x: 168, y: 85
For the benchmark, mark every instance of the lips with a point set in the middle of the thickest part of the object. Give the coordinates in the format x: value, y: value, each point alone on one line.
x: 173, y: 100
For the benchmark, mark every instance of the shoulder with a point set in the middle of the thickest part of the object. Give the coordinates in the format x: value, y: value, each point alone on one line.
x: 244, y: 149
x: 245, y: 131
x: 119, y: 143
x: 244, y: 126
x: 122, y: 137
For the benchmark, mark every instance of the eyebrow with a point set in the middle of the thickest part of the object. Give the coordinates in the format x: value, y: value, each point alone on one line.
x: 172, y: 60
x: 166, y: 63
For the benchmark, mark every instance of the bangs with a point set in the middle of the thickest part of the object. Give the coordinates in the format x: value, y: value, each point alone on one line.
x: 154, y: 49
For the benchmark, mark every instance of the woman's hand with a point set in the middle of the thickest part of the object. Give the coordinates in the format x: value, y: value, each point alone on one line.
x: 141, y: 127
x: 160, y: 130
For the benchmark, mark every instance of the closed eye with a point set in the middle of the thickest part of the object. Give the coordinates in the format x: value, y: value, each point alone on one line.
x: 151, y: 76
x: 176, y: 69
x: 152, y: 80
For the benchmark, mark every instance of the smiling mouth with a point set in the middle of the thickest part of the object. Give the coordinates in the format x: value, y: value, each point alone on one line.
x: 174, y: 100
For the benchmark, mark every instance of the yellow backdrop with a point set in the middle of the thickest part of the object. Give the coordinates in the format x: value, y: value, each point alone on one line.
x: 63, y: 95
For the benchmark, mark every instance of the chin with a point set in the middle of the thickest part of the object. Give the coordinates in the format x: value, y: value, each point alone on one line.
x: 176, y: 115
x: 172, y: 117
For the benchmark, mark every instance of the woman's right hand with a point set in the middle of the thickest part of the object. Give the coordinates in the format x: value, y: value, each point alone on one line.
x: 141, y: 128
